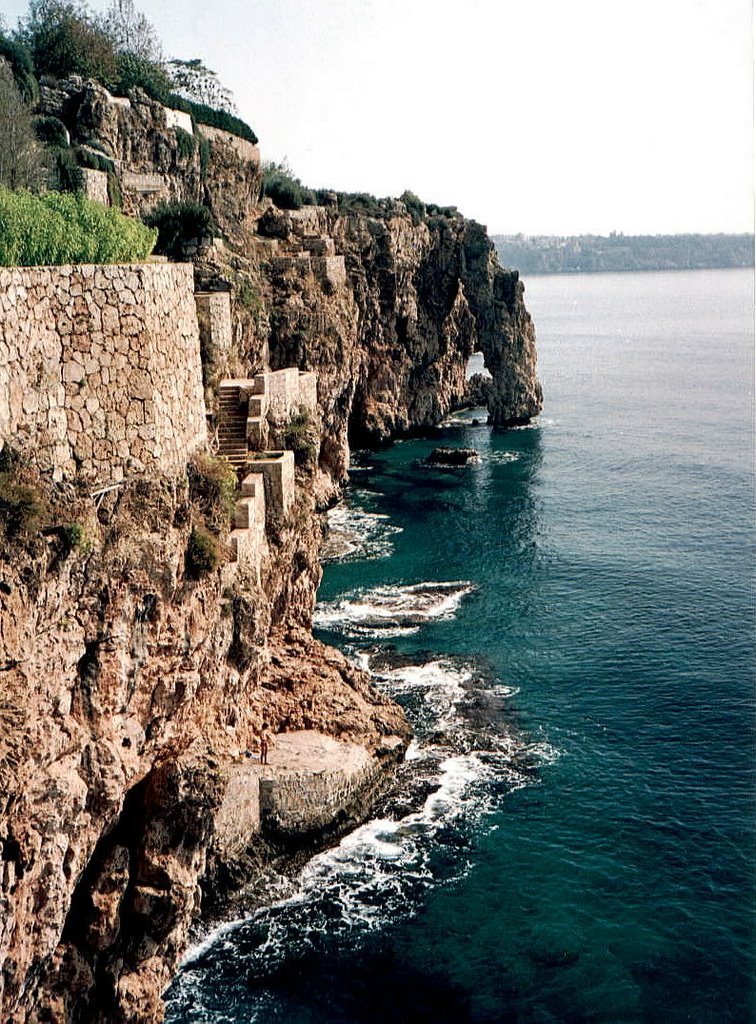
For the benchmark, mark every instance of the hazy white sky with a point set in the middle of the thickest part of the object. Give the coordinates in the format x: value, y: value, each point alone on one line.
x: 541, y: 116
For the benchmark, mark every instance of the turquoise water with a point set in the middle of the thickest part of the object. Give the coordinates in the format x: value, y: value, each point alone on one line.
x: 572, y: 836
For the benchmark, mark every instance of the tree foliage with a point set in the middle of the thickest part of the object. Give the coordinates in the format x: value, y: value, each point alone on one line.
x: 178, y: 224
x: 135, y: 71
x: 130, y: 32
x: 286, y: 190
x: 21, y: 156
x: 65, y: 39
x: 19, y: 58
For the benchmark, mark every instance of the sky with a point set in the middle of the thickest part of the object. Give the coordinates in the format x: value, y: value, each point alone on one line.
x: 535, y: 116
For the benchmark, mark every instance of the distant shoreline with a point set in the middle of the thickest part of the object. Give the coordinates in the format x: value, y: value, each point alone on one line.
x: 629, y: 270
x: 592, y: 254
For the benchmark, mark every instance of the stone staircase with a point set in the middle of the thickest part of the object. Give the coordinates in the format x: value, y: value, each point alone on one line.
x: 232, y: 424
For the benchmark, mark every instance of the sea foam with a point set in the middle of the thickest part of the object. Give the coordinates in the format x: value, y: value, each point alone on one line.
x: 392, y: 610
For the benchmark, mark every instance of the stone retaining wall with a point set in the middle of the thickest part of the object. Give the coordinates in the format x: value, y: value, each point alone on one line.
x: 100, y: 368
x: 312, y: 781
x: 244, y: 149
x: 179, y: 119
x: 330, y: 269
x: 277, y: 469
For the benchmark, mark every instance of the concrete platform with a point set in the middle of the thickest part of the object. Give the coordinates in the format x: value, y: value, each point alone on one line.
x: 309, y: 781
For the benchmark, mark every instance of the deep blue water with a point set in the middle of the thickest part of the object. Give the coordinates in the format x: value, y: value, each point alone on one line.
x: 572, y: 838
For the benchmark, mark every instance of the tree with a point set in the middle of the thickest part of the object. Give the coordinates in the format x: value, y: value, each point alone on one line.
x: 200, y: 84
x: 64, y: 40
x: 131, y: 32
x: 21, y: 158
x: 20, y: 60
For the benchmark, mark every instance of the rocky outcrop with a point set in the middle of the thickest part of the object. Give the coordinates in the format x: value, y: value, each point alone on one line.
x: 386, y: 304
x: 389, y: 318
x: 133, y: 689
x: 453, y: 457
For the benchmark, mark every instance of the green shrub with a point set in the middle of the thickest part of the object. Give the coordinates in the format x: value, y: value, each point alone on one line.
x: 186, y: 144
x: 204, y: 153
x: 67, y: 176
x: 58, y: 228
x: 115, y: 196
x: 177, y: 224
x: 300, y: 437
x: 248, y: 296
x: 203, y: 553
x: 363, y: 202
x: 22, y: 505
x: 441, y: 211
x: 75, y: 538
x: 94, y: 161
x: 286, y: 191
x: 138, y: 72
x: 415, y: 206
x: 212, y: 485
x: 51, y: 131
x: 203, y: 114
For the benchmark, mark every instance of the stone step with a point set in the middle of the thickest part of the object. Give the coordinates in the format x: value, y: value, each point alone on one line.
x: 249, y: 485
x: 244, y: 513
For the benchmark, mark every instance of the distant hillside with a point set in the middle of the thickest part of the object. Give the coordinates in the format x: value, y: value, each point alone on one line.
x: 554, y: 254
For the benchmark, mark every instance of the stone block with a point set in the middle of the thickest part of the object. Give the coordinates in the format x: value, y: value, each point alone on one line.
x: 277, y: 470
x: 95, y: 185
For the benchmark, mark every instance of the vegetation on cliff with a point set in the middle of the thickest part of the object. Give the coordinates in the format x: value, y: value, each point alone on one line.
x: 119, y: 49
x: 58, y: 228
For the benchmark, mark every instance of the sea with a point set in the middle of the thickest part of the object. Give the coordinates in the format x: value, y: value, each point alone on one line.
x: 569, y: 624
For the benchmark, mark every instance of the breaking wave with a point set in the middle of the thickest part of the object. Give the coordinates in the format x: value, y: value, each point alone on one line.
x: 464, y: 757
x: 354, y: 533
x: 391, y: 610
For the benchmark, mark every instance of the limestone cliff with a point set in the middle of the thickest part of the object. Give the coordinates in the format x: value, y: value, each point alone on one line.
x: 134, y: 675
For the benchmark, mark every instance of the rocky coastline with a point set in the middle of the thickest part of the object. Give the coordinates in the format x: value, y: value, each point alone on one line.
x: 136, y: 676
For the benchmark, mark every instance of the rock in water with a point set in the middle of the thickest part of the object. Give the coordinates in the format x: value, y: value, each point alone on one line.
x: 453, y: 457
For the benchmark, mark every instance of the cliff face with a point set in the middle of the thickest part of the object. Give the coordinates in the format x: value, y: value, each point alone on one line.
x: 388, y: 309
x: 130, y: 691
x: 132, y: 685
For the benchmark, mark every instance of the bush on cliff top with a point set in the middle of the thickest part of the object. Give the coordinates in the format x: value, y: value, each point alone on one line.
x: 58, y: 228
x: 286, y: 191
x: 178, y: 224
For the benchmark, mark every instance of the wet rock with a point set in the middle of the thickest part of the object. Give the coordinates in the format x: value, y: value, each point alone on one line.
x: 453, y: 457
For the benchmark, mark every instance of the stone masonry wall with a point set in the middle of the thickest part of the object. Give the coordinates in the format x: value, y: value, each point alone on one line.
x: 100, y: 368
x: 95, y: 185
